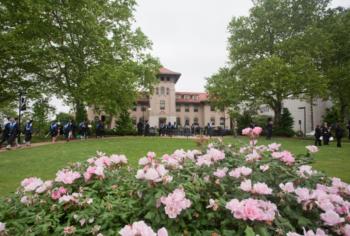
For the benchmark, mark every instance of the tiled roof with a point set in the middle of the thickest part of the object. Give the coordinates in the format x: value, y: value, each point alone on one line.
x: 191, y: 97
x: 165, y: 71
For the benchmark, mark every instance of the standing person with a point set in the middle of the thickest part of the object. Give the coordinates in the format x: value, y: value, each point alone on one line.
x: 235, y: 128
x: 28, y: 131
x: 13, y: 133
x: 269, y: 128
x: 54, y: 131
x: 140, y: 128
x: 5, y: 132
x: 147, y: 128
x: 325, y: 133
x: 99, y: 129
x: 318, y: 135
x: 209, y: 129
x: 68, y: 131
x: 338, y: 134
x: 83, y: 126
x: 348, y: 126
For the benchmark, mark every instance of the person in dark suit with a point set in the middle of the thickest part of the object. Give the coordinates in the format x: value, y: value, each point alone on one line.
x: 269, y: 128
x: 326, y: 134
x: 28, y: 131
x: 318, y: 134
x: 348, y: 126
x: 140, y: 128
x: 54, y: 129
x: 5, y: 132
x: 339, y: 132
x: 147, y: 128
x: 13, y: 133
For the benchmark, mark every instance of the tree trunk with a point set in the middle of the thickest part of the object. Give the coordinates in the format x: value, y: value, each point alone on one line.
x: 312, y: 112
x: 277, y: 109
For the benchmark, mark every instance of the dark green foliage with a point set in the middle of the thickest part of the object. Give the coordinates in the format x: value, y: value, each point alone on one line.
x: 41, y: 113
x: 331, y: 116
x: 124, y: 125
x: 285, y: 126
x: 63, y: 117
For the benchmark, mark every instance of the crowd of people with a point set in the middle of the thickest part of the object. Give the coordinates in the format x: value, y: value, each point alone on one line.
x: 68, y: 130
x: 325, y: 134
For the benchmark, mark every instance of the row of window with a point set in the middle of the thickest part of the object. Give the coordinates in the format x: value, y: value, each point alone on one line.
x: 178, y: 107
x: 161, y: 91
x: 187, y: 121
x: 187, y: 97
x: 187, y: 108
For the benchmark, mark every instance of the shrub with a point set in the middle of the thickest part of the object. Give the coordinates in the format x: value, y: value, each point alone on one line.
x: 285, y: 126
x: 221, y: 190
x: 124, y: 125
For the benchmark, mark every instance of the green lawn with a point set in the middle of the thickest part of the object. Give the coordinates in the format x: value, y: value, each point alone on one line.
x: 44, y: 161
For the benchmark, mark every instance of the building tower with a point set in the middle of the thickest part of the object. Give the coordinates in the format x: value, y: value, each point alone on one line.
x: 162, y: 102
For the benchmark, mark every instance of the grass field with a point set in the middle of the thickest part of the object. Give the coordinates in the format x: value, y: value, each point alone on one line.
x: 44, y: 161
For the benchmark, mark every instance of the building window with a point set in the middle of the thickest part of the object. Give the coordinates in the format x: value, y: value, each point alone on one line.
x: 178, y: 108
x: 212, y: 108
x: 162, y: 104
x: 222, y: 121
x: 212, y: 121
x: 178, y: 121
x: 195, y: 108
x: 162, y: 91
x: 157, y: 91
x: 195, y: 120
x: 162, y: 78
x: 187, y: 97
x: 167, y: 91
x: 178, y: 96
x: 187, y: 108
x: 167, y: 79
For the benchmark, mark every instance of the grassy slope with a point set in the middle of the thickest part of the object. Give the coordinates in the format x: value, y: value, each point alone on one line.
x: 44, y: 161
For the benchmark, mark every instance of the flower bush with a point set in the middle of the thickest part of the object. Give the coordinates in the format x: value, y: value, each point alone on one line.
x: 220, y: 190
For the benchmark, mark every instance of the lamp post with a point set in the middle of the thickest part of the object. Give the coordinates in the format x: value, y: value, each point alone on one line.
x: 304, y: 108
x: 21, y: 107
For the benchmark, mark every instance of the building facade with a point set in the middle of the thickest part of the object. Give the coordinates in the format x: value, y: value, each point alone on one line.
x: 166, y: 105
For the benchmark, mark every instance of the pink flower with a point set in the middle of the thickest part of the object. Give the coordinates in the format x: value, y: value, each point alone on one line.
x: 151, y: 155
x: 2, y: 227
x: 284, y: 156
x: 144, y: 161
x: 213, y: 204
x: 345, y: 230
x: 24, y: 200
x: 67, y: 176
x: 31, y: 184
x: 273, y: 147
x: 103, y: 161
x: 264, y: 168
x: 246, y: 131
x: 69, y: 230
x: 138, y: 228
x: 162, y: 232
x: 303, y: 194
x: 331, y: 218
x: 251, y: 209
x: 56, y: 194
x: 44, y: 187
x: 312, y: 149
x: 175, y: 202
x: 261, y: 188
x: 254, y: 156
x: 288, y: 187
x: 240, y: 171
x: 220, y: 173
x: 94, y: 170
x: 257, y: 131
x: 118, y: 159
x: 306, y: 171
x: 246, y: 185
x: 319, y: 232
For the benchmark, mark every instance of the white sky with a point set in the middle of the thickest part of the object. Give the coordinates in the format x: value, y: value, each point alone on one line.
x: 190, y: 36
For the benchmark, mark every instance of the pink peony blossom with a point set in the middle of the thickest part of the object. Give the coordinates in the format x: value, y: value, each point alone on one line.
x: 118, y: 159
x: 273, y: 147
x: 305, y: 171
x: 67, y: 176
x: 257, y: 130
x: 240, y: 171
x: 175, y: 202
x: 140, y: 228
x: 69, y: 230
x: 246, y: 185
x: 264, y: 168
x: 312, y: 149
x: 288, y: 187
x: 303, y: 194
x: 31, y: 184
x: 261, y: 188
x: 254, y: 156
x: 252, y: 209
x: 94, y: 170
x: 213, y: 204
x: 103, y: 161
x: 246, y: 131
x: 331, y: 218
x: 284, y: 156
x: 319, y: 232
x: 345, y: 230
x: 44, y: 187
x: 24, y: 200
x: 221, y: 173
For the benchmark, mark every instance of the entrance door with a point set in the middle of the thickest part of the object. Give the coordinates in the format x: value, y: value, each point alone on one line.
x: 162, y: 121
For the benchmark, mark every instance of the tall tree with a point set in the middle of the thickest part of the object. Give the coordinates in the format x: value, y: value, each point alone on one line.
x: 79, y: 46
x: 336, y: 61
x: 276, y: 51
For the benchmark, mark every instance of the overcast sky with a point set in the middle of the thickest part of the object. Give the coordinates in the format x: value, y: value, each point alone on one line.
x: 190, y: 36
